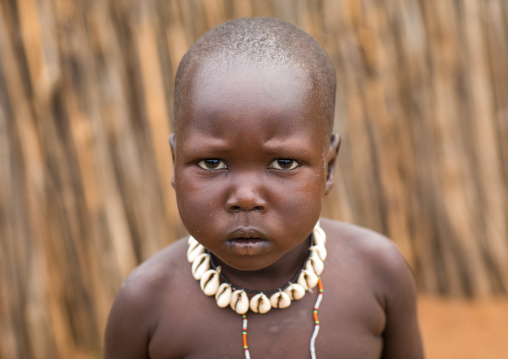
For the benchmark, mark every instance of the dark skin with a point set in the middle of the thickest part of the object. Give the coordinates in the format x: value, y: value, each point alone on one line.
x: 252, y: 166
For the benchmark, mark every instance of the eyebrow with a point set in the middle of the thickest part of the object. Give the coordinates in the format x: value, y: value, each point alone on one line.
x: 191, y: 141
x: 292, y: 146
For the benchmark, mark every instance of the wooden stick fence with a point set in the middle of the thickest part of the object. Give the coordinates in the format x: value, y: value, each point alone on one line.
x: 86, y: 92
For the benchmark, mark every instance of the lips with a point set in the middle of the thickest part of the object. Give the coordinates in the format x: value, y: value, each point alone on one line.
x: 248, y: 246
x: 247, y: 241
x: 246, y: 233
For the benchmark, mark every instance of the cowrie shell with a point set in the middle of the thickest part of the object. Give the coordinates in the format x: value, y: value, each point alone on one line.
x: 320, y: 251
x: 200, y: 265
x: 280, y: 300
x: 195, y: 249
x: 307, y: 279
x: 260, y: 303
x: 239, y: 301
x: 210, y: 281
x: 295, y: 291
x: 223, y: 295
x: 319, y: 236
x: 191, y: 240
x: 314, y: 264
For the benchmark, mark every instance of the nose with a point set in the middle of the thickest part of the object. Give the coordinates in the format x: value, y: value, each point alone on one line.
x: 246, y: 194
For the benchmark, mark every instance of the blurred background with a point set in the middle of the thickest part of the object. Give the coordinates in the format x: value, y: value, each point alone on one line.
x: 86, y: 91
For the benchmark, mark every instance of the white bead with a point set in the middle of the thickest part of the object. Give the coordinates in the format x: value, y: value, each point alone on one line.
x: 307, y: 279
x: 223, y: 295
x: 260, y: 303
x: 315, y: 264
x: 210, y: 281
x: 240, y: 301
x: 200, y: 265
x: 280, y: 300
x: 295, y: 291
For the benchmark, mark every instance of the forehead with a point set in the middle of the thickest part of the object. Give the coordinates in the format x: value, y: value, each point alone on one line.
x: 283, y: 95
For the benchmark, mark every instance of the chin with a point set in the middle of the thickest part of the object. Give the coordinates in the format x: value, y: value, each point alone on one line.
x: 248, y: 263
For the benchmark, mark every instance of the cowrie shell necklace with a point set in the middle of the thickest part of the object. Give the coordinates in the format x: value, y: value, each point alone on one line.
x: 227, y: 294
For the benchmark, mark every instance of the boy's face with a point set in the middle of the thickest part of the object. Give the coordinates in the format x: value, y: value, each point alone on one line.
x: 251, y: 162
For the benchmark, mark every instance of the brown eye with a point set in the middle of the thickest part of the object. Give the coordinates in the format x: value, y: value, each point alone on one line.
x: 212, y: 164
x: 284, y: 164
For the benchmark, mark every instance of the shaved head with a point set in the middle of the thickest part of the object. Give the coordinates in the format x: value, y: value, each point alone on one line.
x: 259, y: 42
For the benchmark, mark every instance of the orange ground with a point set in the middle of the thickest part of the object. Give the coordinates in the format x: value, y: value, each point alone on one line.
x: 460, y: 329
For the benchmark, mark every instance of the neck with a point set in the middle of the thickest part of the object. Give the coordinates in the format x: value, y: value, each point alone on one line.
x: 272, y: 277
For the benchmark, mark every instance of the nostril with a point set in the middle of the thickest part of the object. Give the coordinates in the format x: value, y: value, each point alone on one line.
x: 245, y: 198
x: 240, y: 208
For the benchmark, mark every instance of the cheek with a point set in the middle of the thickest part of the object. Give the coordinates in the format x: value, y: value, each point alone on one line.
x: 299, y: 198
x: 198, y: 201
x: 295, y: 210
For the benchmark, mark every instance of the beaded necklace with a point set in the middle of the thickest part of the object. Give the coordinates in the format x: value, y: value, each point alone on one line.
x: 314, y: 333
x: 226, y: 294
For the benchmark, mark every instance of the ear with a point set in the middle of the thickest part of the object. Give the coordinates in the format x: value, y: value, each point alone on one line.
x: 172, y: 144
x: 333, y: 151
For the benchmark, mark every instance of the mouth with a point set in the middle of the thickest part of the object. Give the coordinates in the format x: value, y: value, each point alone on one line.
x: 248, y: 246
x: 247, y: 242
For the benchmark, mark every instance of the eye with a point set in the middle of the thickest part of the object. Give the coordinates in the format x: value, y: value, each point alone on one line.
x: 212, y: 164
x: 284, y: 164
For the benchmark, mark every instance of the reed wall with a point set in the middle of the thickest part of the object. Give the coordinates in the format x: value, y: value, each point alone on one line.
x: 86, y: 92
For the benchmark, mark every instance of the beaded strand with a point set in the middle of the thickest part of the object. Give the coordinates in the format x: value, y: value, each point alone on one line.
x: 314, y: 334
x: 244, y: 333
x: 316, y: 320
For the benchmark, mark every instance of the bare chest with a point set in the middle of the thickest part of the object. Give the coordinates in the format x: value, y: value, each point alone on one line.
x: 211, y: 332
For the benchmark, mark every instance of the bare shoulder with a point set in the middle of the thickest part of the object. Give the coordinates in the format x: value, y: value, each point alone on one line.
x: 369, y: 265
x: 377, y: 255
x: 160, y: 269
x: 138, y: 303
x: 360, y: 239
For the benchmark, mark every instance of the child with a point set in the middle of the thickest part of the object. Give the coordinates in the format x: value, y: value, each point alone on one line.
x: 254, y: 156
